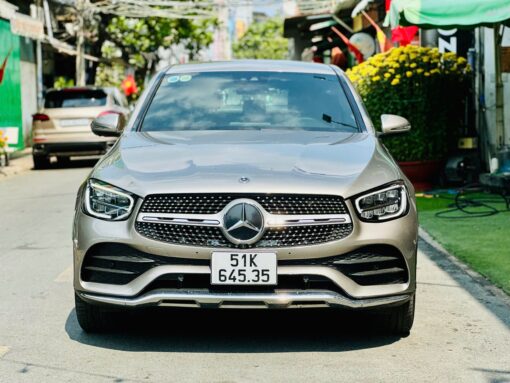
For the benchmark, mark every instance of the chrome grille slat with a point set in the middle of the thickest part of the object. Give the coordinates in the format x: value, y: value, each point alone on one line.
x: 124, y: 258
x: 390, y: 270
x: 360, y: 260
x: 105, y: 270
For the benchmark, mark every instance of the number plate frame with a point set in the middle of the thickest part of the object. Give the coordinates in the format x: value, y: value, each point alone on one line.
x: 264, y: 261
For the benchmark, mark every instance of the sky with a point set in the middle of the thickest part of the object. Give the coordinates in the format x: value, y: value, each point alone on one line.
x: 270, y: 9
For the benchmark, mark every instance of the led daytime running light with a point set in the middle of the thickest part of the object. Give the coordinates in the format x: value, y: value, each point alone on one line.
x: 107, y: 202
x: 381, y: 205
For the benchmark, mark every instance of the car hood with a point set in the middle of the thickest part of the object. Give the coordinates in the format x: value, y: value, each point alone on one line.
x: 272, y: 161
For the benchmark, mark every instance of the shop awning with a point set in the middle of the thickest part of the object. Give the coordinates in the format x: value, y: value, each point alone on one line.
x: 449, y: 13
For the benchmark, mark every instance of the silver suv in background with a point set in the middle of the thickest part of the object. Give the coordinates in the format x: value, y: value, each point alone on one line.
x: 62, y: 127
x: 254, y: 185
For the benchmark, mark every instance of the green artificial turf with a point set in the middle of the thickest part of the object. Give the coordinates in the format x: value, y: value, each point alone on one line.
x: 481, y: 242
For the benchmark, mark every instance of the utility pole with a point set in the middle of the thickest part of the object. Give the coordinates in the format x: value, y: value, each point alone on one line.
x: 38, y: 53
x: 224, y: 49
x: 80, y: 43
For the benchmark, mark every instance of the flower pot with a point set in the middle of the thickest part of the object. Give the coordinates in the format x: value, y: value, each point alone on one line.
x: 422, y: 174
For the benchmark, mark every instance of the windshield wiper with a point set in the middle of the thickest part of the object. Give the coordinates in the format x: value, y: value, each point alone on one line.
x: 327, y: 118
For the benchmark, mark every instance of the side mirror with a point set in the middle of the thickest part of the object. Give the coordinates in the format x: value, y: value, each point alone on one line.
x: 392, y: 124
x: 108, y: 124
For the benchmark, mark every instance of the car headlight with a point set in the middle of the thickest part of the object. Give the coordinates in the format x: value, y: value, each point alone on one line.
x: 107, y: 202
x: 383, y: 204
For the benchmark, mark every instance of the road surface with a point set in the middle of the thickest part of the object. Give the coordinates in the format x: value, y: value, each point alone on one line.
x: 461, y: 332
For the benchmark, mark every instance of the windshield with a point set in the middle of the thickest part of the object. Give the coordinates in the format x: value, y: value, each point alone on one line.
x: 250, y: 100
x: 75, y: 98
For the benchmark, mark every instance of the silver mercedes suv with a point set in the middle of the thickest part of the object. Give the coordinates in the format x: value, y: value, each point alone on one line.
x: 250, y: 184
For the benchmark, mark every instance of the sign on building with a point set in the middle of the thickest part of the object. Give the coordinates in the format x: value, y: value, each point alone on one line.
x: 10, y: 87
x: 27, y: 26
x: 457, y: 41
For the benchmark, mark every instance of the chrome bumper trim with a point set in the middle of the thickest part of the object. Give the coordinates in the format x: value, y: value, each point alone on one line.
x: 279, y: 299
x: 136, y: 286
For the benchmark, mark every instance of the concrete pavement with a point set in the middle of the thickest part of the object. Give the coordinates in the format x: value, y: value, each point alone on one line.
x: 19, y: 163
x: 461, y: 332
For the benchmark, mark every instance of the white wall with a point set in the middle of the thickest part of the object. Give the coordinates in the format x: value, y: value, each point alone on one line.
x: 490, y: 85
x: 28, y: 96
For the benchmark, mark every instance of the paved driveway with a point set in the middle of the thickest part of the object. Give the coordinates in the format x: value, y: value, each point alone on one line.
x: 461, y: 333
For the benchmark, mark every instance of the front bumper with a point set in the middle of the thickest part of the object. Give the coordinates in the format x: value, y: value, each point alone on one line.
x: 68, y: 149
x: 400, y: 234
x: 276, y: 300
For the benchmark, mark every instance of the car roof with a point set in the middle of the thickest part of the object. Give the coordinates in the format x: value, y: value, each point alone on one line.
x: 253, y: 66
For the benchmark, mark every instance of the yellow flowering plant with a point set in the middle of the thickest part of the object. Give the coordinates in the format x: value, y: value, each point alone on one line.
x: 3, y: 139
x: 4, y: 159
x: 427, y: 87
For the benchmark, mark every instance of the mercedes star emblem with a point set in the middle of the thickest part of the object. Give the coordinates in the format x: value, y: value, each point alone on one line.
x: 243, y: 222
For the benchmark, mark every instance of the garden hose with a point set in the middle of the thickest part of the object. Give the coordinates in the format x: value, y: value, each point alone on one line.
x: 463, y: 204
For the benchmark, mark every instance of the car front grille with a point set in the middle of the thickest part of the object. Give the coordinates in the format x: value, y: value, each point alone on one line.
x: 191, y: 235
x: 315, y: 210
x: 288, y: 204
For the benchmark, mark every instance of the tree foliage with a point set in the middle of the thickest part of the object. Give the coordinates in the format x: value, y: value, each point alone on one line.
x: 262, y: 41
x: 136, y: 40
x: 137, y: 37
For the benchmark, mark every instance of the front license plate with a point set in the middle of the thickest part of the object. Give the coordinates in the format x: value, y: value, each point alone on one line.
x: 243, y: 269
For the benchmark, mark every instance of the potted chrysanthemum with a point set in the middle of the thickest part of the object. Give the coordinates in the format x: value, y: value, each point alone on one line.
x: 429, y: 89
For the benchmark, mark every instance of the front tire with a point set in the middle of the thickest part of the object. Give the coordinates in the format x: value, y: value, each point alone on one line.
x: 41, y: 162
x: 399, y: 320
x: 93, y: 318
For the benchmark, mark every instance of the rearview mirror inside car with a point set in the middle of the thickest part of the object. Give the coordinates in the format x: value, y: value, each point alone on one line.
x: 108, y: 124
x: 392, y: 124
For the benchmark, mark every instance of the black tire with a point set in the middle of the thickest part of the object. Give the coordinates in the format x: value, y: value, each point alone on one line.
x: 41, y: 162
x: 399, y: 320
x: 91, y: 318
